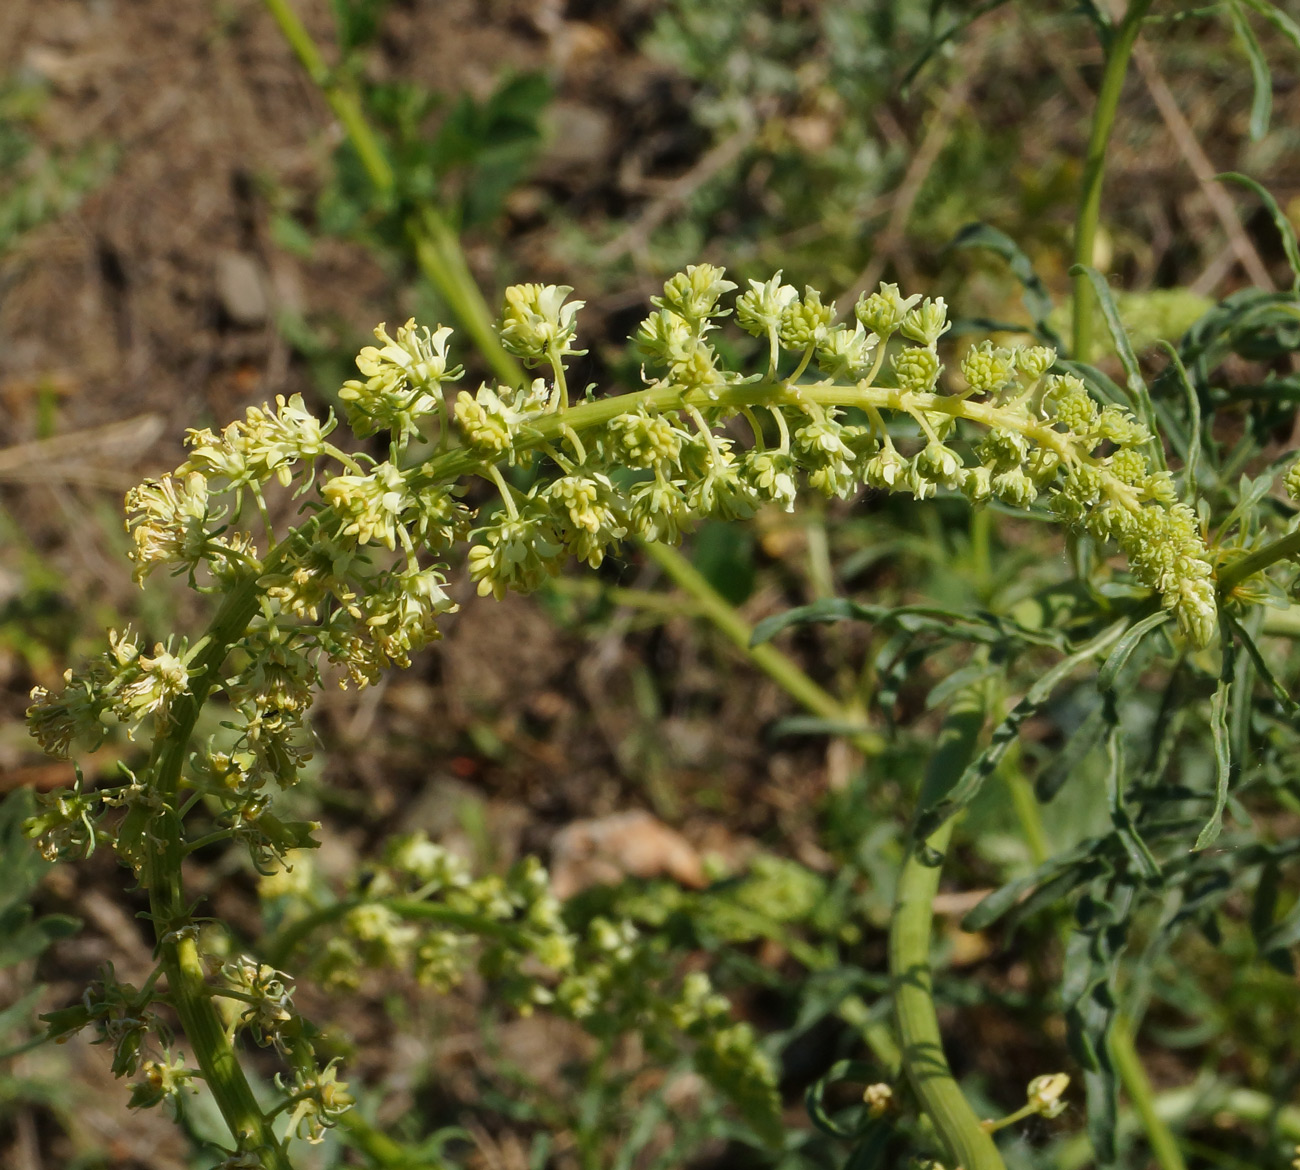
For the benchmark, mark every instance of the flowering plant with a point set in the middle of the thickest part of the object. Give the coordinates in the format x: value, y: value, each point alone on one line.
x: 358, y: 588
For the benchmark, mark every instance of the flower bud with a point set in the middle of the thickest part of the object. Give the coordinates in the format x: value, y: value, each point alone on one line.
x: 886, y: 469
x: 804, y: 321
x: 986, y: 369
x: 1045, y: 1094
x: 694, y: 294
x: 939, y: 464
x: 917, y: 370
x: 1292, y: 481
x: 1035, y: 360
x: 977, y: 484
x: 1014, y: 487
x: 879, y: 1099
x: 846, y: 355
x: 882, y: 312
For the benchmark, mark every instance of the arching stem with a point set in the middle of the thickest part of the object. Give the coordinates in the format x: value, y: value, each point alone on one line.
x: 1118, y: 51
x: 924, y: 1061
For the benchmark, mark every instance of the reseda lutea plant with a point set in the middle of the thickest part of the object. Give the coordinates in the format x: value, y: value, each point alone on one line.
x: 359, y: 586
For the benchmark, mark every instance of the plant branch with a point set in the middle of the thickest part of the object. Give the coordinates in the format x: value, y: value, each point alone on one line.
x: 909, y: 956
x: 1230, y: 576
x: 281, y: 946
x: 1118, y: 52
x: 177, y: 950
x: 784, y: 671
x: 1123, y: 1051
x: 437, y: 250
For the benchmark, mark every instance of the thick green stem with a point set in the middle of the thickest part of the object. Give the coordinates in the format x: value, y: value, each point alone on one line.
x: 441, y: 259
x: 177, y: 950
x: 1230, y: 576
x: 1123, y: 1051
x: 782, y: 670
x: 342, y: 99
x: 909, y: 956
x: 1118, y: 52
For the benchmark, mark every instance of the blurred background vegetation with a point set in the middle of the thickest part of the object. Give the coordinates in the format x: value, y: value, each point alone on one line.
x: 185, y: 229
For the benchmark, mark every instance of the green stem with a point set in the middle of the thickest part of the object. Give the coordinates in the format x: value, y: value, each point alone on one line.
x: 441, y: 259
x: 1233, y: 575
x: 782, y: 670
x: 178, y: 953
x: 909, y: 957
x: 1123, y: 1051
x: 437, y: 249
x: 378, y: 1146
x: 1118, y: 52
x: 342, y: 99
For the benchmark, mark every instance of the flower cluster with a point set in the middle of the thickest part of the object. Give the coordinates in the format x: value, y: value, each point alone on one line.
x: 122, y: 1017
x: 161, y: 1080
x: 422, y: 909
x: 403, y: 377
x: 318, y: 1100
x: 650, y: 464
x: 262, y: 997
x: 123, y: 682
x: 360, y: 586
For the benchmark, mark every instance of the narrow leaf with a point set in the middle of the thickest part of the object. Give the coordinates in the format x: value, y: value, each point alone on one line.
x: 963, y: 626
x: 1261, y: 106
x: 1285, y: 228
x: 996, y: 904
x: 1140, y: 399
x: 1138, y: 853
x: 1278, y: 19
x: 960, y: 793
x: 815, y: 1097
x: 1124, y: 648
x: 1222, y: 762
x: 960, y: 679
x: 944, y: 37
x: 1066, y: 762
x: 1193, y: 454
x: 1036, y: 297
x: 814, y: 725
x: 1249, y: 493
x: 1248, y: 643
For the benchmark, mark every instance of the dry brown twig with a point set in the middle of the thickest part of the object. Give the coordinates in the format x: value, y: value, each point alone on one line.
x: 918, y: 170
x: 635, y: 237
x: 94, y: 457
x: 1239, y: 244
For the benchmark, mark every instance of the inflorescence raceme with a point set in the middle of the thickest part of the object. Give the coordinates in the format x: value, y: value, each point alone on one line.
x: 360, y: 584
x: 649, y: 464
